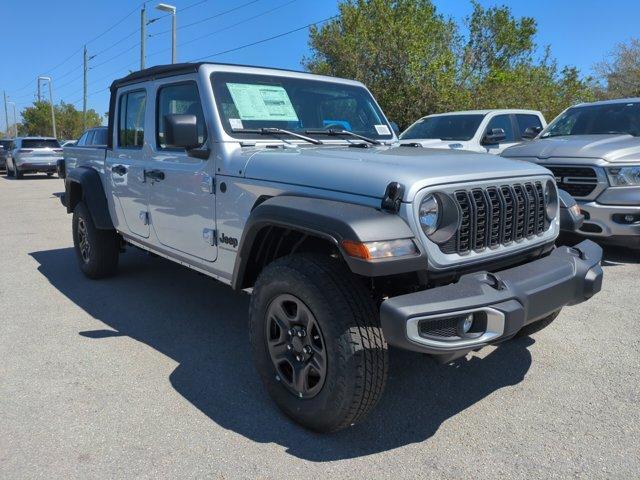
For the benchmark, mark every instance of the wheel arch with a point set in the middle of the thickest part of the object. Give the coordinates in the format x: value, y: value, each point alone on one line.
x: 84, y: 184
x: 287, y: 224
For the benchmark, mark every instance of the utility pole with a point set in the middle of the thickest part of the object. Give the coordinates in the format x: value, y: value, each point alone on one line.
x: 15, y: 121
x: 84, y: 96
x: 6, y: 115
x: 39, y: 97
x: 143, y: 34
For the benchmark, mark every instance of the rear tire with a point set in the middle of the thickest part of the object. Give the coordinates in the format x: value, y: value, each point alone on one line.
x: 8, y: 172
x: 538, y: 325
x: 17, y: 174
x: 345, y: 340
x: 97, y: 250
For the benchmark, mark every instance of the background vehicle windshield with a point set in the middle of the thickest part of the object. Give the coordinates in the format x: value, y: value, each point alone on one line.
x: 444, y: 127
x: 5, y: 144
x: 38, y: 143
x: 597, y: 119
x: 247, y: 101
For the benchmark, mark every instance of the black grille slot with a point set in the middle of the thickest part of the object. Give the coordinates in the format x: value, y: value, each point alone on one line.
x: 577, y: 181
x: 497, y: 215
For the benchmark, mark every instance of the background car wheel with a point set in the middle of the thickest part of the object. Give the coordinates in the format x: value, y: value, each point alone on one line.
x: 97, y: 250
x: 8, y: 173
x: 49, y: 174
x: 537, y: 326
x: 17, y: 174
x: 317, y: 342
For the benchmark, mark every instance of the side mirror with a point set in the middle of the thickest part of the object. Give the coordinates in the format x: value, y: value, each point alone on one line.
x: 181, y: 131
x: 395, y: 128
x: 531, y: 132
x: 494, y: 136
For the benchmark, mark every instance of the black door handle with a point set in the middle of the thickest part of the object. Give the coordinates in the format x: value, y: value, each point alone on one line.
x: 119, y: 169
x: 156, y: 175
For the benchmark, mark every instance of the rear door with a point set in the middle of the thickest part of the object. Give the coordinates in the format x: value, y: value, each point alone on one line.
x: 125, y: 164
x: 526, y: 120
x: 506, y: 122
x: 181, y: 191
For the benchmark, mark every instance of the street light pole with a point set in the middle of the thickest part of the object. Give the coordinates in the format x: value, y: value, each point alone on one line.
x: 53, y: 113
x: 172, y: 10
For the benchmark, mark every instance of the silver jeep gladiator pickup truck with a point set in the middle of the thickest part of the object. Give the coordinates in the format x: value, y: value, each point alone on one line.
x: 593, y: 149
x: 293, y: 186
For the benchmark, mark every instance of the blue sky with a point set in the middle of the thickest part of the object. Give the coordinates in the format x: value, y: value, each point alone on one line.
x: 38, y: 37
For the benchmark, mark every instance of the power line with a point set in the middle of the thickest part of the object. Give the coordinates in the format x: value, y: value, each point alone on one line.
x: 229, y: 27
x: 208, y: 18
x: 266, y: 39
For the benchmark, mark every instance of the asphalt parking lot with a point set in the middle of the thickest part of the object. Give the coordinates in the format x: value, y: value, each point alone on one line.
x: 149, y: 375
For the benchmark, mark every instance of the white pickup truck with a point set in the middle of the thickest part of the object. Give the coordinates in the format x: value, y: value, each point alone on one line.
x: 487, y: 131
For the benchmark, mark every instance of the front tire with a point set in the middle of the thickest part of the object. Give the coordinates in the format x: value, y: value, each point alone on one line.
x: 317, y: 341
x: 97, y: 250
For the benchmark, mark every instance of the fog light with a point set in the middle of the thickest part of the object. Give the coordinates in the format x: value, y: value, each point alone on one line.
x: 465, y: 324
x: 629, y: 218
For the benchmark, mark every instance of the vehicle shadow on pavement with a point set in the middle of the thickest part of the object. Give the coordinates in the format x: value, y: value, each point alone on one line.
x: 202, y: 325
x: 613, y: 256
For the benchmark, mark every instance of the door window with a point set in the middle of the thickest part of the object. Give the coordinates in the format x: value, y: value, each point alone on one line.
x: 82, y: 140
x: 131, y: 119
x: 182, y: 98
x: 526, y: 120
x: 503, y: 122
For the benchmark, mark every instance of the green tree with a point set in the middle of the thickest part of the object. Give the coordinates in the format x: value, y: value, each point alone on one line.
x: 401, y: 49
x: 620, y: 72
x: 36, y: 120
x: 417, y: 62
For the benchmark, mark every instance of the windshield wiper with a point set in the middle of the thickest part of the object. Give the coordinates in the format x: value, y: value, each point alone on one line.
x: 333, y: 132
x: 276, y: 131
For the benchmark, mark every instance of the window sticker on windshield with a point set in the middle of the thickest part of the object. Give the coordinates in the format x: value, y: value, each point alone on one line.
x: 262, y: 102
x: 235, y: 123
x: 382, y: 130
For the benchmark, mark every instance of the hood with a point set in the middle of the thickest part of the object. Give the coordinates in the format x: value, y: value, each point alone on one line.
x: 437, y: 143
x: 368, y: 171
x: 612, y: 148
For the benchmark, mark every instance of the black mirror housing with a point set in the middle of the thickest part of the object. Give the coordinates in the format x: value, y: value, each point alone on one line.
x: 181, y: 131
x: 494, y: 136
x: 531, y: 132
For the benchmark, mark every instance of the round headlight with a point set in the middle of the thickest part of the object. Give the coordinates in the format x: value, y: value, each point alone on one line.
x: 429, y: 214
x: 551, y: 199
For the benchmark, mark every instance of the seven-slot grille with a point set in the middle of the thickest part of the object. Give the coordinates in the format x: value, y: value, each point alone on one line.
x: 577, y: 181
x: 497, y: 215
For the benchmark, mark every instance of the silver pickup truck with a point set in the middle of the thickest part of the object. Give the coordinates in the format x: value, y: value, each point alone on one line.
x: 593, y: 149
x: 293, y: 187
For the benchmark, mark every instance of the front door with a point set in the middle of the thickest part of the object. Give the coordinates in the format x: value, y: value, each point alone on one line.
x: 181, y: 189
x: 125, y: 165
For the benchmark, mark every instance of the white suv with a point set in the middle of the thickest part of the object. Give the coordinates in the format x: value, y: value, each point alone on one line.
x: 476, y: 130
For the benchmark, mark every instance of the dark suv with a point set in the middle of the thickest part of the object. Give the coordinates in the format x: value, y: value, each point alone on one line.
x: 5, y: 151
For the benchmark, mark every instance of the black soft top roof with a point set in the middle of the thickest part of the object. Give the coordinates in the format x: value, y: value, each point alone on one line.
x: 160, y: 71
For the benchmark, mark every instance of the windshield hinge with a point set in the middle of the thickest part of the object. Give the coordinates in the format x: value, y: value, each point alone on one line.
x: 392, y: 199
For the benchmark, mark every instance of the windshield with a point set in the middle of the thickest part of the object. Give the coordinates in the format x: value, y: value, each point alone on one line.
x: 40, y: 143
x: 249, y: 102
x: 444, y: 127
x: 5, y: 144
x: 597, y: 119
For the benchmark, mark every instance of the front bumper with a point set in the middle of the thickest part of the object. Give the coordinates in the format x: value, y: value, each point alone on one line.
x: 600, y: 224
x: 506, y: 301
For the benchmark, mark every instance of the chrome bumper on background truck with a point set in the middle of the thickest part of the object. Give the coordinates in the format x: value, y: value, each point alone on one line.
x: 484, y: 308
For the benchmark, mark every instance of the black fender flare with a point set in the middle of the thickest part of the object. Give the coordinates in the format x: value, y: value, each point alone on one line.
x: 333, y: 221
x: 91, y: 193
